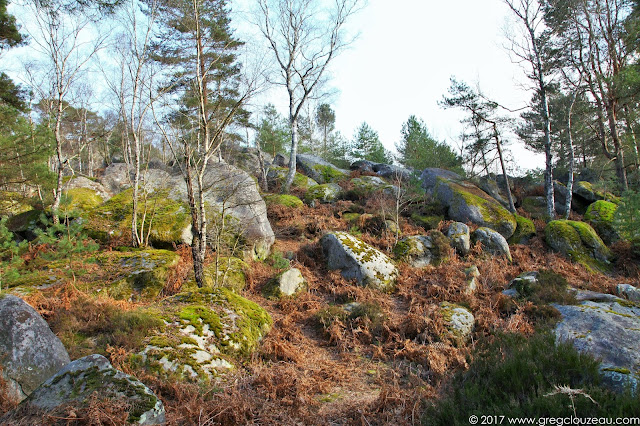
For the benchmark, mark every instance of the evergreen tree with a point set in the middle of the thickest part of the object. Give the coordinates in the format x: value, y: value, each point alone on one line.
x: 272, y: 132
x: 367, y: 146
x: 326, y: 121
x: 419, y: 150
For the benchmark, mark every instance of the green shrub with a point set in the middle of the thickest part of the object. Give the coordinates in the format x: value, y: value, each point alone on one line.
x: 515, y: 376
x: 627, y: 216
x: 278, y: 261
x: 10, y: 252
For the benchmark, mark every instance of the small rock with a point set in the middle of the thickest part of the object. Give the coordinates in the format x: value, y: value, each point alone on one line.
x: 288, y: 283
x: 458, y: 233
x: 422, y: 250
x: 492, y: 242
x: 472, y: 274
x: 459, y: 320
x: 628, y: 292
x: 359, y: 261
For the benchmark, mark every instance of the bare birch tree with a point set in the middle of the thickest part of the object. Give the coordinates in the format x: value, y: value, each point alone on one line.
x: 302, y: 45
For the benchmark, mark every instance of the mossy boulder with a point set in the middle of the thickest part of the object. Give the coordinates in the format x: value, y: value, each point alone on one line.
x: 74, y: 385
x: 426, y: 221
x: 230, y: 273
x: 168, y: 219
x: 325, y: 193
x: 320, y: 170
x: 276, y: 176
x: 459, y: 321
x: 367, y: 185
x: 13, y: 203
x: 465, y: 202
x: 587, y: 192
x: 286, y: 284
x: 207, y: 329
x: 535, y: 206
x: 359, y: 261
x: 422, y: 250
x: 283, y: 200
x: 25, y: 224
x: 138, y: 274
x: 492, y: 242
x: 600, y: 216
x: 80, y: 199
x: 83, y: 182
x: 525, y: 230
x: 580, y: 242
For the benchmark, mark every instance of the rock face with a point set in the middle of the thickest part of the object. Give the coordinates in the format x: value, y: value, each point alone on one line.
x: 609, y: 329
x: 359, y: 261
x: 74, y: 384
x: 204, y: 328
x: 81, y: 182
x: 467, y: 203
x: 247, y: 159
x: 325, y: 193
x: 286, y: 284
x: 578, y: 241
x: 458, y: 233
x: 226, y: 187
x: 320, y: 170
x: 492, y: 242
x: 600, y: 216
x: 490, y: 186
x: 459, y: 321
x: 422, y: 250
x: 29, y: 351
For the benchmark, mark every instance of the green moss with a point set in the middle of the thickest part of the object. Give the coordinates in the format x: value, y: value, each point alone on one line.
x: 325, y: 193
x: 230, y: 273
x: 329, y: 174
x: 278, y: 175
x: 493, y: 214
x: 525, y: 229
x: 351, y: 217
x: 83, y: 199
x: 166, y: 217
x: 618, y: 370
x: 579, y: 241
x: 283, y: 200
x: 197, y: 316
x: 427, y: 222
x: 138, y: 273
x: 601, y: 211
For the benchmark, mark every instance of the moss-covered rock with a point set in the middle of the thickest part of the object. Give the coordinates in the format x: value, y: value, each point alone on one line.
x: 535, y: 206
x: 525, y: 230
x: 589, y: 193
x: 467, y: 203
x: 365, y: 186
x: 600, y: 216
x: 80, y: 199
x: 25, y: 224
x: 325, y: 193
x: 458, y: 320
x: 492, y: 242
x: 230, y: 273
x: 73, y: 386
x: 320, y: 170
x: 13, y: 203
x: 286, y: 284
x: 206, y: 330
x: 138, y: 274
x: 458, y: 233
x: 580, y: 242
x: 276, y: 176
x: 283, y: 200
x: 169, y: 220
x: 422, y: 250
x: 427, y: 222
x: 358, y: 260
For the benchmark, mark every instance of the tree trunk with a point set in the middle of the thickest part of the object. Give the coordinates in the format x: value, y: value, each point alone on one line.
x: 57, y: 195
x: 619, y: 151
x: 196, y: 242
x: 512, y: 207
x: 571, y: 158
x: 292, y: 156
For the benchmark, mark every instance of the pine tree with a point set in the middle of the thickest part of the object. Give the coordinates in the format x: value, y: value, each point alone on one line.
x: 367, y: 146
x: 419, y: 150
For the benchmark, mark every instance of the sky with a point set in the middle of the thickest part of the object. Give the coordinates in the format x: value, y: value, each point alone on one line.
x: 400, y: 64
x: 403, y: 58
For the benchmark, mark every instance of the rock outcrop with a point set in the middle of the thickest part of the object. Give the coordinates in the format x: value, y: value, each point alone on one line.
x: 29, y: 351
x: 77, y: 382
x: 600, y: 216
x: 358, y: 260
x: 465, y: 202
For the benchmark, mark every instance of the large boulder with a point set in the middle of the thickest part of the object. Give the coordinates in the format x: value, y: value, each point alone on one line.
x: 465, y: 202
x: 536, y: 206
x: 422, y: 250
x: 205, y: 329
x: 608, y: 328
x: 358, y: 260
x: 226, y: 188
x: 320, y: 170
x: 325, y: 193
x: 248, y: 159
x: 139, y: 274
x: 585, y: 191
x: 491, y: 187
x: 72, y: 387
x: 580, y: 242
x: 368, y: 185
x: 82, y: 182
x: 492, y: 242
x: 29, y: 351
x: 600, y: 216
x: 392, y: 172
